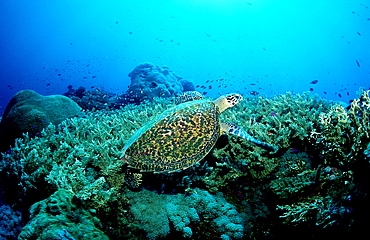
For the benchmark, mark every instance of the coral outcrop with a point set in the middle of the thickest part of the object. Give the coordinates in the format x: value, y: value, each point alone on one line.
x: 149, y: 81
x: 30, y: 112
x: 94, y: 99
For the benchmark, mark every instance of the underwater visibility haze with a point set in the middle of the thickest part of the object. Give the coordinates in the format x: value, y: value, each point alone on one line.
x: 114, y: 114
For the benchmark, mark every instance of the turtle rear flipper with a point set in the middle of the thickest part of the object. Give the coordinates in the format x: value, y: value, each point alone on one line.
x: 234, y: 129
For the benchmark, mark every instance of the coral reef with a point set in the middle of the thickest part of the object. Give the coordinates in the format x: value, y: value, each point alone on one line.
x: 30, y: 112
x: 58, y: 218
x: 94, y: 99
x: 149, y: 81
x: 318, y: 181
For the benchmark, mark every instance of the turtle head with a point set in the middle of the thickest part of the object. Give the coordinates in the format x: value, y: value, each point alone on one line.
x: 227, y: 101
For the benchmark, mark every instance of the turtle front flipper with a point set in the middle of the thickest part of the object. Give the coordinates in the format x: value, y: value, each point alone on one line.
x: 232, y: 128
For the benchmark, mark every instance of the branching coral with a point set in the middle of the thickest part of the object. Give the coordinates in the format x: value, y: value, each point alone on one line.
x: 81, y: 155
x: 342, y: 135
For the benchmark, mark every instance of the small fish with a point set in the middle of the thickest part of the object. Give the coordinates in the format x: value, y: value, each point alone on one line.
x: 93, y: 77
x: 314, y: 81
x: 311, y: 89
x: 358, y: 64
x: 339, y: 95
x: 293, y: 150
x: 359, y: 33
x: 271, y: 132
x: 273, y: 114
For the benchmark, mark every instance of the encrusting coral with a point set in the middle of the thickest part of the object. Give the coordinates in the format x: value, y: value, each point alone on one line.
x: 58, y: 218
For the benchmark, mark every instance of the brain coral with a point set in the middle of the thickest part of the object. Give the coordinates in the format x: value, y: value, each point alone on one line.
x: 30, y: 112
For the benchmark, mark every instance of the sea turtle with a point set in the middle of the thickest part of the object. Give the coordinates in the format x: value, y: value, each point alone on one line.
x: 182, y: 135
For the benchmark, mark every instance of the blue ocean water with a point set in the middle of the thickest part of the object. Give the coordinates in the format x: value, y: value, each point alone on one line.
x: 266, y: 46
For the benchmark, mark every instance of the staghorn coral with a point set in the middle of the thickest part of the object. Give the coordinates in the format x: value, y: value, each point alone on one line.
x: 281, y: 119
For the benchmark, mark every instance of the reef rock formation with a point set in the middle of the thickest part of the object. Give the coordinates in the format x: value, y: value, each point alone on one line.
x: 149, y: 81
x: 30, y: 112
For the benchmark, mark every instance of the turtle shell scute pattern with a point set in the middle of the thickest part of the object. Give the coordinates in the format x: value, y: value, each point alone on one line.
x: 176, y: 139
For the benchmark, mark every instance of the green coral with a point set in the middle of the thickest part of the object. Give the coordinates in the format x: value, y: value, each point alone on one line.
x: 287, y: 117
x: 157, y: 214
x: 289, y: 187
x: 58, y: 218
